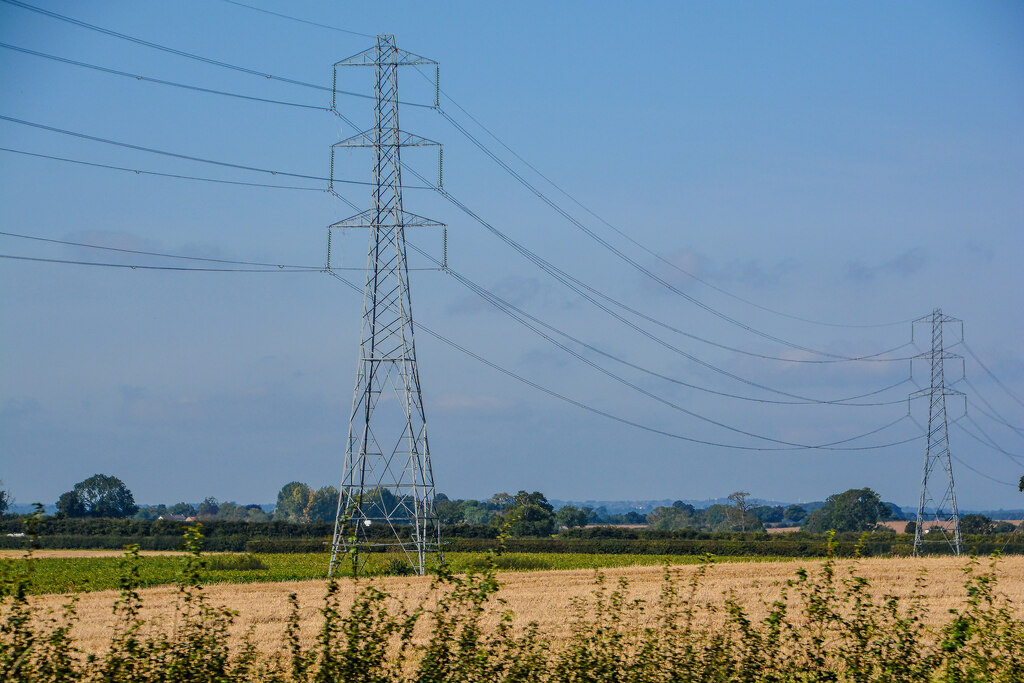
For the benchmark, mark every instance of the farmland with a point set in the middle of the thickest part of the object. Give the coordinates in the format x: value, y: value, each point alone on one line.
x: 68, y: 571
x: 542, y: 596
x: 906, y: 618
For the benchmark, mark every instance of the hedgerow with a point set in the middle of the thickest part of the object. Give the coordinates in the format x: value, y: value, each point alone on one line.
x: 823, y: 626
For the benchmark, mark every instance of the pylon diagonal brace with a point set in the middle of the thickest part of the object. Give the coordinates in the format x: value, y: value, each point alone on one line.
x: 397, y: 57
x: 394, y: 483
x: 364, y: 219
x: 368, y: 138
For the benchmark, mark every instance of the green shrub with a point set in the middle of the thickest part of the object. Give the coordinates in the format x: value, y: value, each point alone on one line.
x: 236, y: 563
x: 824, y: 625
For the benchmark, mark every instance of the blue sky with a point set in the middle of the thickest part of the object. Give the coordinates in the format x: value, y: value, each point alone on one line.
x: 853, y: 163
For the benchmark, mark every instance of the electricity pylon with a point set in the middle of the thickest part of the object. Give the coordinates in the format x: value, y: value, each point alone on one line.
x: 386, y: 501
x: 943, y: 512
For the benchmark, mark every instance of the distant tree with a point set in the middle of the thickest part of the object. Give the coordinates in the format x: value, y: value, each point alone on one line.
x: 529, y: 515
x: 379, y: 503
x: 1020, y: 486
x: 670, y: 518
x: 292, y: 502
x: 910, y: 528
x: 740, y: 506
x: 5, y: 499
x: 233, y: 512
x: 536, y: 498
x: 100, y: 495
x: 323, y: 505
x: 571, y: 516
x: 448, y: 511
x: 852, y: 510
x: 680, y: 505
x: 477, y: 512
x: 769, y: 514
x: 500, y: 501
x: 1003, y: 528
x: 209, y: 507
x: 70, y: 505
x: 151, y: 511
x: 976, y: 524
x: 794, y: 513
x: 629, y: 517
x: 186, y: 509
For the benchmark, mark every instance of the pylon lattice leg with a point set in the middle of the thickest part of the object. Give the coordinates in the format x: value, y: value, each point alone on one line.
x: 386, y: 498
x: 941, y: 512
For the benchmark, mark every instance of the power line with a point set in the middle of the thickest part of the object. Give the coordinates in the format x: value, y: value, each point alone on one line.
x: 137, y: 266
x: 160, y: 81
x: 191, y: 55
x: 578, y: 286
x: 163, y: 48
x: 994, y: 378
x: 156, y: 173
x: 154, y: 253
x: 458, y: 126
x: 597, y: 411
x: 964, y: 462
x: 301, y: 21
x: 639, y: 244
x: 583, y: 290
x: 518, y: 314
x: 187, y: 157
x: 222, y: 64
x: 636, y: 265
x: 668, y: 403
x: 987, y: 440
x: 982, y: 474
x: 995, y: 415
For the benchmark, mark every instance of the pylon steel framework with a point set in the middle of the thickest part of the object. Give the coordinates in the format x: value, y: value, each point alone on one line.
x: 386, y: 499
x: 943, y: 514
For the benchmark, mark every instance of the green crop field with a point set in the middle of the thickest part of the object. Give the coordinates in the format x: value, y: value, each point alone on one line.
x: 71, y: 574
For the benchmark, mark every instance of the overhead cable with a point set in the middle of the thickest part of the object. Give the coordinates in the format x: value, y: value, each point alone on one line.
x: 640, y: 245
x: 160, y: 81
x: 636, y: 265
x: 176, y: 176
x: 994, y: 415
x: 186, y: 157
x: 622, y: 420
x: 301, y: 21
x: 138, y: 266
x: 960, y: 460
x: 191, y: 55
x: 994, y: 378
x: 155, y: 253
x: 988, y: 441
x: 519, y: 314
x: 584, y: 291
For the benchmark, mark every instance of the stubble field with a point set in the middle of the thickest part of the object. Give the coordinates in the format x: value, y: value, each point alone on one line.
x: 546, y: 597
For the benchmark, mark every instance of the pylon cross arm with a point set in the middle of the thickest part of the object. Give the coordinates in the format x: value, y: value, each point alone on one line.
x: 392, y: 56
x: 368, y: 138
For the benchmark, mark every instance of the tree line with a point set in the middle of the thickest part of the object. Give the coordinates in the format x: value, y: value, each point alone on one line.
x: 523, y: 514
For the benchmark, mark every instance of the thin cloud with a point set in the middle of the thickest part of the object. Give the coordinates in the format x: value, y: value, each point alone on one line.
x: 513, y: 289
x: 903, y: 265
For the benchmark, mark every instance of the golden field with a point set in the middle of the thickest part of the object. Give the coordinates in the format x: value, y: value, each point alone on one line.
x: 544, y: 596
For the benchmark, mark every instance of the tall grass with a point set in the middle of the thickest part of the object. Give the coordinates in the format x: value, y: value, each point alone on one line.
x: 823, y: 625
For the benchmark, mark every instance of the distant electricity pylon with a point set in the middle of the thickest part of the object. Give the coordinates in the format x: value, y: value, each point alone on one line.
x: 942, y: 511
x: 386, y: 500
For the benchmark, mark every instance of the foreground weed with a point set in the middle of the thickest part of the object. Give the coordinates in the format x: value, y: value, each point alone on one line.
x: 822, y: 625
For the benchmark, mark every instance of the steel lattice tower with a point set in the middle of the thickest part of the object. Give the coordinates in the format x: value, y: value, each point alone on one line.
x: 937, y: 451
x: 386, y: 498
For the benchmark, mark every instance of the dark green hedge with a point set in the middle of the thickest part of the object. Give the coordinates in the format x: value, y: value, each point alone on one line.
x: 285, y: 537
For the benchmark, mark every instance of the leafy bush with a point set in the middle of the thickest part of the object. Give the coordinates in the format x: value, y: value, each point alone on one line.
x: 247, y: 562
x: 825, y: 625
